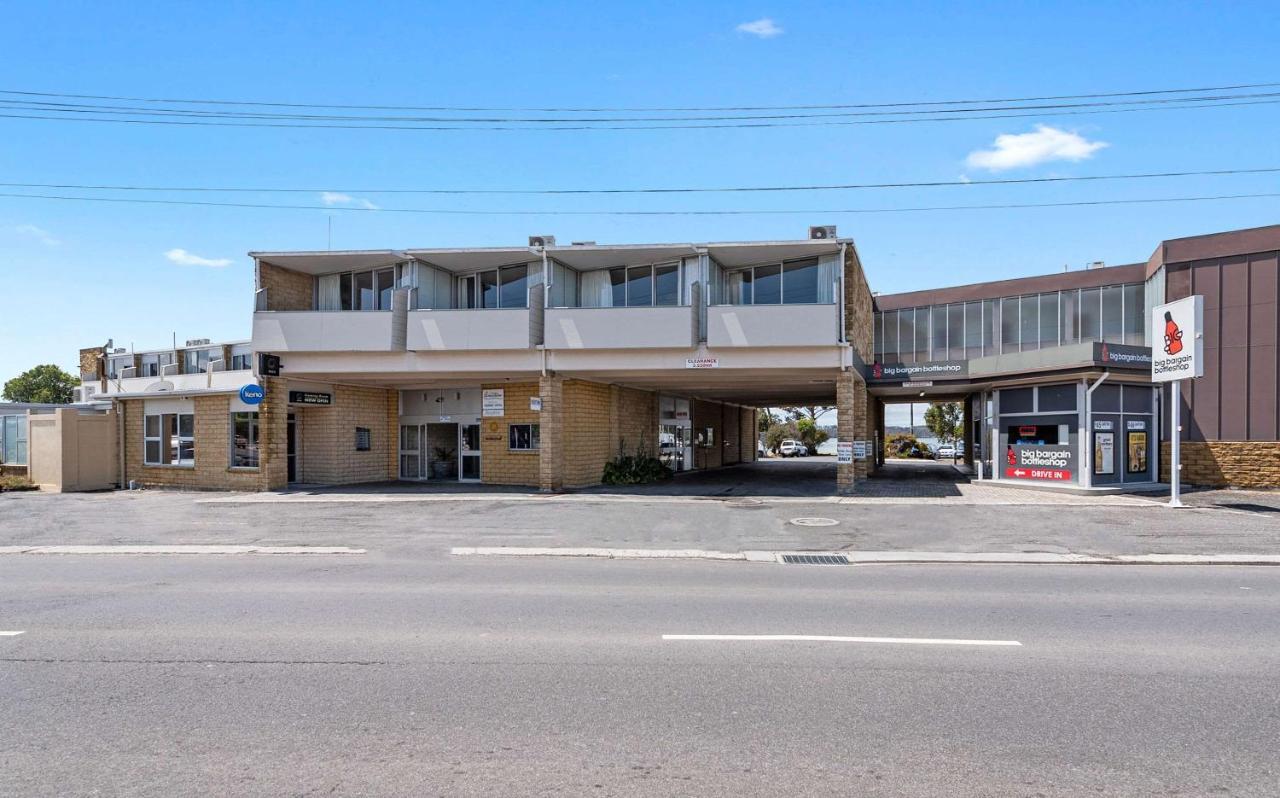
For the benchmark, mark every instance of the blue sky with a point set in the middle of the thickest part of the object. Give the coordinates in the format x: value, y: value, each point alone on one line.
x: 79, y: 273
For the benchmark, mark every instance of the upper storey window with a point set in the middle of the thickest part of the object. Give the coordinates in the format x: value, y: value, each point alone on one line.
x: 366, y: 290
x: 799, y: 282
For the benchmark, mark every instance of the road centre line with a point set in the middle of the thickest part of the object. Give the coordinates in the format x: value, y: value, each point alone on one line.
x: 11, y: 634
x: 185, y: 549
x: 915, y: 641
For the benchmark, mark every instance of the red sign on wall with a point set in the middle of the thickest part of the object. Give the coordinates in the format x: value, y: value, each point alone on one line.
x: 1057, y: 474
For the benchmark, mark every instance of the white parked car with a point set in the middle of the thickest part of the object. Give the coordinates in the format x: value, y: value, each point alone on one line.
x: 945, y: 450
x: 790, y: 448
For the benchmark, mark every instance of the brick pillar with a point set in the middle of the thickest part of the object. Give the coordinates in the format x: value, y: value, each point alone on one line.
x: 851, y: 425
x: 273, y: 442
x: 551, y: 420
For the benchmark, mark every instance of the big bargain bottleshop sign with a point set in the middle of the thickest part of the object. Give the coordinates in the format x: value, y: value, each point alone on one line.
x: 1054, y: 463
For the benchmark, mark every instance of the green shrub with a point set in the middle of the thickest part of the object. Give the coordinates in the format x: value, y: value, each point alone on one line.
x: 906, y: 445
x: 640, y: 468
x: 15, y: 483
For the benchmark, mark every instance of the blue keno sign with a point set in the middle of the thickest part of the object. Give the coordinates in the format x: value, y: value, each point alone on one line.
x: 252, y: 394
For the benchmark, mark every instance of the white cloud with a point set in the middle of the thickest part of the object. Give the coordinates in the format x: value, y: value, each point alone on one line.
x: 332, y: 198
x: 763, y: 28
x: 184, y: 258
x: 1015, y: 150
x: 39, y: 233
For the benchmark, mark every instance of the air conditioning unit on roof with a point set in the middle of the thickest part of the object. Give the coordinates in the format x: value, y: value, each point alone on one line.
x: 542, y: 242
x: 822, y: 231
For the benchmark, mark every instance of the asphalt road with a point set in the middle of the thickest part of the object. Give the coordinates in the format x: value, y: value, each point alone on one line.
x: 390, y: 674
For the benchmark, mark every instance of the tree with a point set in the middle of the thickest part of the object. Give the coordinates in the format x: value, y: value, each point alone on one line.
x: 946, y: 420
x: 809, y: 434
x: 811, y: 412
x: 46, y: 384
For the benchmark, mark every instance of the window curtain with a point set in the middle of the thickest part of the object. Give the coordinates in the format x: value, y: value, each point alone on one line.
x: 597, y: 291
x: 330, y: 292
x: 734, y: 290
x: 827, y: 281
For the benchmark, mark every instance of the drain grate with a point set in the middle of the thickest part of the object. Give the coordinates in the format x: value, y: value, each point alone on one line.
x: 815, y: 559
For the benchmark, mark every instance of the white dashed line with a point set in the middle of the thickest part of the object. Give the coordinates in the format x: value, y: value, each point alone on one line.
x: 914, y: 641
x: 11, y: 634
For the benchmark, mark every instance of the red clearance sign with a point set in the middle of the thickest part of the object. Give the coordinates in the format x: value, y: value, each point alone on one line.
x: 1060, y: 474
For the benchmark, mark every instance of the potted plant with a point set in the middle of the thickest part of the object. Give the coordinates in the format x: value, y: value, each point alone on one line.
x: 442, y: 462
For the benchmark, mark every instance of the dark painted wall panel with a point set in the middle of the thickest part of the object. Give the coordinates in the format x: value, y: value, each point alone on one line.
x: 1234, y: 403
x: 1262, y: 403
x: 1235, y: 282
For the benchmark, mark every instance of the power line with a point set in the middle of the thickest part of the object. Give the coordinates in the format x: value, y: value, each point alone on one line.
x: 133, y: 110
x: 734, y: 212
x: 602, y: 109
x: 715, y: 190
x: 213, y: 122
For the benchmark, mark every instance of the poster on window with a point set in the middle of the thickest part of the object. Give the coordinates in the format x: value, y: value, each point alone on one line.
x: 1104, y: 453
x: 1137, y: 452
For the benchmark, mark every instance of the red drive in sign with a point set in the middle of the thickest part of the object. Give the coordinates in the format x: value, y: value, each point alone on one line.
x: 1056, y: 474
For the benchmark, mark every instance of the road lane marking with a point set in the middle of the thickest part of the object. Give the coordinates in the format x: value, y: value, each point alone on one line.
x: 182, y: 549
x: 11, y: 634
x: 914, y: 641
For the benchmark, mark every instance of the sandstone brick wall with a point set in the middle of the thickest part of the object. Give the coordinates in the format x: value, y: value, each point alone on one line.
x: 286, y: 289
x: 551, y: 458
x: 498, y: 464
x: 853, y: 414
x: 589, y: 439
x: 327, y: 437
x: 1244, y: 464
x: 92, y: 366
x: 858, y: 306
x: 731, y: 445
x: 747, y: 433
x: 634, y: 420
x: 212, y: 450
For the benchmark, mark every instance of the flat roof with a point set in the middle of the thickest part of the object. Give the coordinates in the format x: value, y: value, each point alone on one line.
x: 1080, y: 278
x: 129, y: 352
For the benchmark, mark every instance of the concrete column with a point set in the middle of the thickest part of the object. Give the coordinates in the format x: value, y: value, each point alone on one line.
x: 551, y: 419
x: 851, y: 425
x: 968, y: 429
x: 273, y: 442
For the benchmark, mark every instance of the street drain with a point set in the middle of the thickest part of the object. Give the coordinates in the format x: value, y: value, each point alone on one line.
x: 744, y: 502
x: 814, y: 521
x: 815, y: 559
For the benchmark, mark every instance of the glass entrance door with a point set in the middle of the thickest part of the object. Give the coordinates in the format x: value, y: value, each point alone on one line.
x: 469, y: 449
x: 411, y: 452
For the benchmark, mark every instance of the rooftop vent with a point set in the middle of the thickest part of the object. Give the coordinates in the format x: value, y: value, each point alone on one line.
x: 1097, y: 264
x: 584, y: 243
x: 822, y: 232
x: 542, y: 241
x: 197, y: 341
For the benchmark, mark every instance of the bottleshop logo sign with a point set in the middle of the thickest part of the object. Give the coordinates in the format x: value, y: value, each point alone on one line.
x: 1120, y: 355
x: 1177, y: 340
x: 898, y: 372
x: 1050, y: 463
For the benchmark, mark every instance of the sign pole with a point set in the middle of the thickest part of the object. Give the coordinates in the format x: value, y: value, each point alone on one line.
x: 1175, y: 454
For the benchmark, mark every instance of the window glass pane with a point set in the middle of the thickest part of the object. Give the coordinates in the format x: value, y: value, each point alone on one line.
x: 384, y: 285
x: 344, y: 291
x: 244, y: 440
x: 366, y: 299
x: 1009, y: 324
x: 618, y: 283
x: 891, y: 336
x: 152, y: 425
x: 666, y: 281
x: 1137, y: 399
x: 640, y: 286
x: 515, y: 287
x: 973, y: 329
x: 990, y: 327
x: 1029, y: 311
x: 906, y: 335
x: 1112, y: 314
x: 955, y: 332
x: 768, y: 285
x: 1090, y: 315
x: 1057, y: 397
x: 939, y: 336
x: 488, y: 289
x: 1134, y: 315
x: 153, y: 451
x: 1048, y: 320
x: 1069, y: 316
x: 467, y: 292
x: 922, y: 334
x: 186, y: 425
x: 748, y: 297
x: 800, y: 282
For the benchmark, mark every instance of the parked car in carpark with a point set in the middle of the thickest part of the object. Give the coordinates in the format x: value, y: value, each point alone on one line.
x: 790, y: 448
x: 945, y: 450
x: 760, y: 452
x: 828, y: 446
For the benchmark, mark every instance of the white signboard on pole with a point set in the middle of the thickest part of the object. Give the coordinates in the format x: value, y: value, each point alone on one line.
x: 1177, y: 340
x: 1177, y: 354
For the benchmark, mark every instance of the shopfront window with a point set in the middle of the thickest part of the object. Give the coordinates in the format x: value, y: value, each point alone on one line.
x: 244, y: 440
x: 524, y: 437
x: 13, y: 439
x: 169, y: 439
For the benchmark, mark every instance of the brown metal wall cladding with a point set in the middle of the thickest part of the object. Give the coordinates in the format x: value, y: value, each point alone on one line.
x: 1238, y: 399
